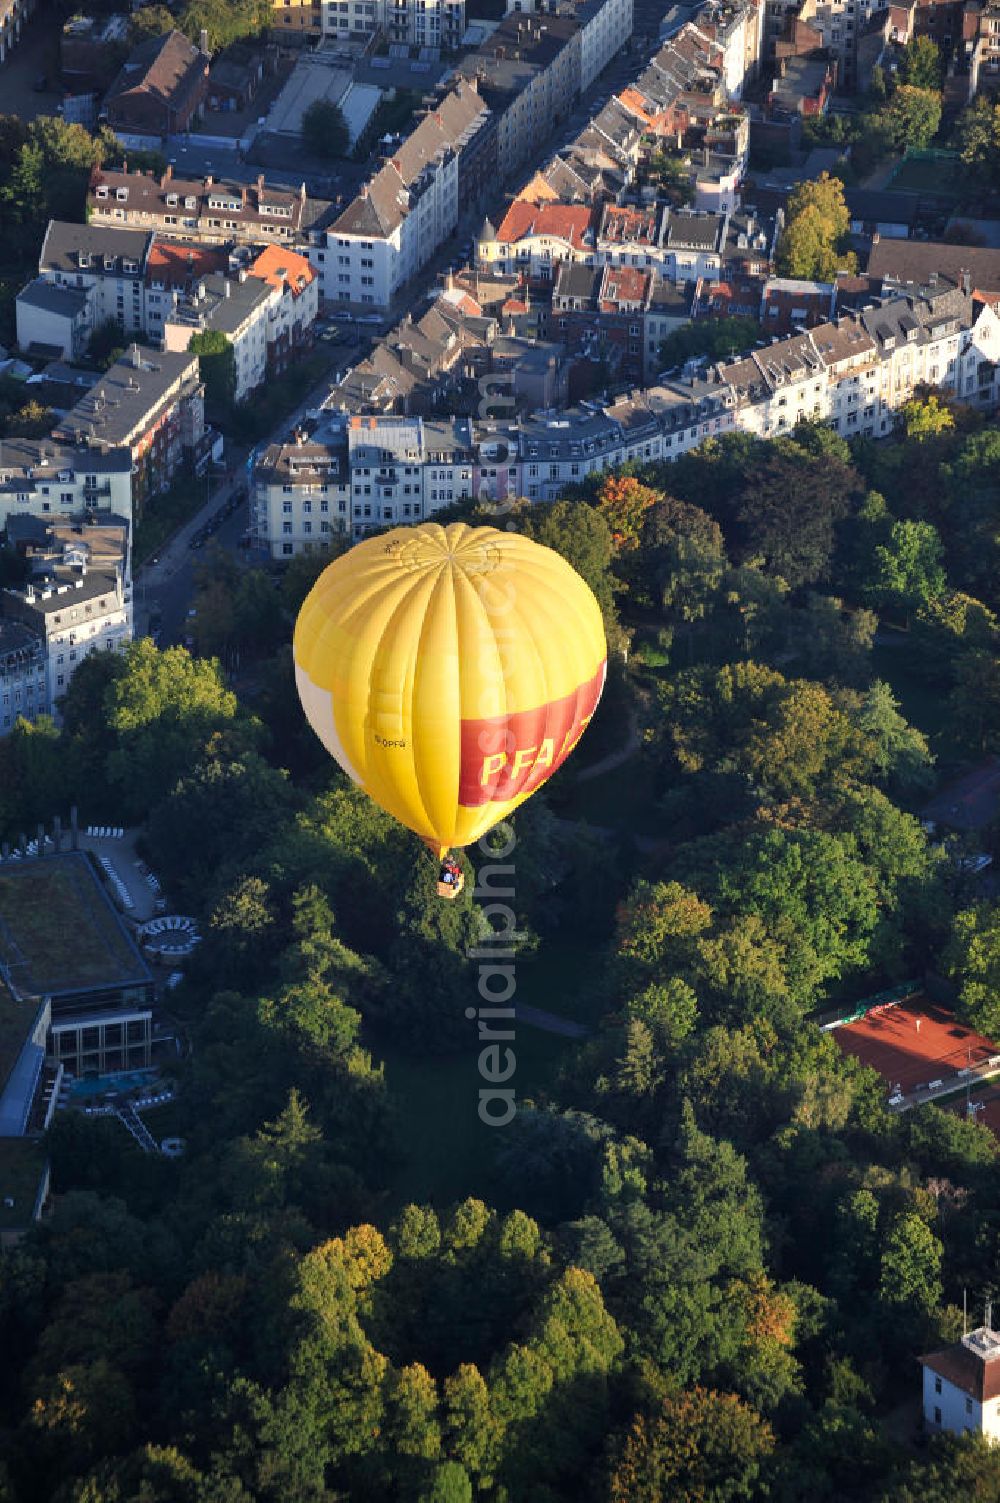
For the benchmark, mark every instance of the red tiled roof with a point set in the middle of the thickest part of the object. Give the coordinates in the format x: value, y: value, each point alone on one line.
x: 625, y: 284
x: 569, y: 222
x: 281, y: 268
x: 177, y: 264
x: 635, y: 104
x: 973, y: 1374
x: 623, y: 222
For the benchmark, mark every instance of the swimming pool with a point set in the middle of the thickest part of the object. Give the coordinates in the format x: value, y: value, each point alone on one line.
x: 119, y: 1081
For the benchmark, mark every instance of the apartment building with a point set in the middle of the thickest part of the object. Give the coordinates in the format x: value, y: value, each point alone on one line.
x: 386, y: 458
x: 301, y: 495
x: 413, y: 23
x: 22, y: 674
x: 401, y: 216
x: 53, y: 320
x: 77, y: 600
x: 535, y: 238
x: 634, y: 235
x: 796, y: 29
x: 737, y: 29
x: 239, y: 308
x: 43, y: 478
x: 720, y: 162
x: 528, y: 72
x: 605, y: 28
x: 106, y: 266
x: 173, y: 273
x: 292, y: 314
x: 152, y: 405
x: 210, y: 210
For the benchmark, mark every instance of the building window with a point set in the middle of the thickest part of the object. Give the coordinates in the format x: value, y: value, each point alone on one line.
x: 968, y: 1406
x: 937, y: 1385
x: 937, y: 1415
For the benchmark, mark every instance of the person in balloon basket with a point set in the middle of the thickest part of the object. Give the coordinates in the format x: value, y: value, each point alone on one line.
x: 451, y: 878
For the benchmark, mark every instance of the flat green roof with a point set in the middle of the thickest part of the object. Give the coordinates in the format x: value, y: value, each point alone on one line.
x: 16, y: 1021
x: 59, y: 932
x: 22, y: 1164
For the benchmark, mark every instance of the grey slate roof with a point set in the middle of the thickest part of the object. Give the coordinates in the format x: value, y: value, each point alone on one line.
x: 67, y: 302
x: 119, y: 406
x: 64, y: 242
x: 222, y: 310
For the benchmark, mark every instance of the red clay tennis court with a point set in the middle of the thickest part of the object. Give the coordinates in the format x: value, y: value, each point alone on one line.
x: 914, y: 1043
x: 989, y: 1113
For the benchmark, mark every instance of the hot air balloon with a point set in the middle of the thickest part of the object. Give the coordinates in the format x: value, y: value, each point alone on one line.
x: 450, y: 671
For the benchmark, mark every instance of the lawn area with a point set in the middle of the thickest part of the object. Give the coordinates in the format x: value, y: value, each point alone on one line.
x: 57, y: 932
x: 621, y: 799
x: 163, y: 515
x: 449, y: 1149
x: 917, y: 175
x: 560, y: 978
x: 22, y: 1162
x: 166, y: 1121
x: 15, y: 1020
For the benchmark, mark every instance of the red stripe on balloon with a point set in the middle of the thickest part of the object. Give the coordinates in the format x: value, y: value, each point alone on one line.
x: 507, y: 755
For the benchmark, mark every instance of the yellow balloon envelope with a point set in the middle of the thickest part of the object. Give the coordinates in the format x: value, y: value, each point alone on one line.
x: 450, y: 671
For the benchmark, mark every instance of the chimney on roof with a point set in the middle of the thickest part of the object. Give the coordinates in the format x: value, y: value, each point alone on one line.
x: 209, y: 180
x: 243, y: 197
x: 260, y: 182
x: 966, y: 283
x: 167, y: 175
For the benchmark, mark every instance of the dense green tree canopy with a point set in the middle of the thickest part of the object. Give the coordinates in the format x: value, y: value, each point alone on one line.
x: 813, y: 241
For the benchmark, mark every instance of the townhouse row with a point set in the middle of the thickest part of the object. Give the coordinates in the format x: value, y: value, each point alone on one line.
x: 356, y: 474
x: 506, y: 98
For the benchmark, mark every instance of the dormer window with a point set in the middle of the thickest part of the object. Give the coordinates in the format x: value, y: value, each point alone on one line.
x: 190, y: 203
x: 121, y: 194
x: 172, y: 200
x: 101, y: 192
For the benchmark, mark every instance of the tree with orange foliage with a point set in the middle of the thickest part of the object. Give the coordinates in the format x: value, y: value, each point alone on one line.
x: 624, y: 501
x: 701, y: 1447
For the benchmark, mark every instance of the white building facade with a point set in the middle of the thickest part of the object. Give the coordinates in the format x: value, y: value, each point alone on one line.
x: 854, y: 374
x: 962, y: 1386
x: 401, y: 216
